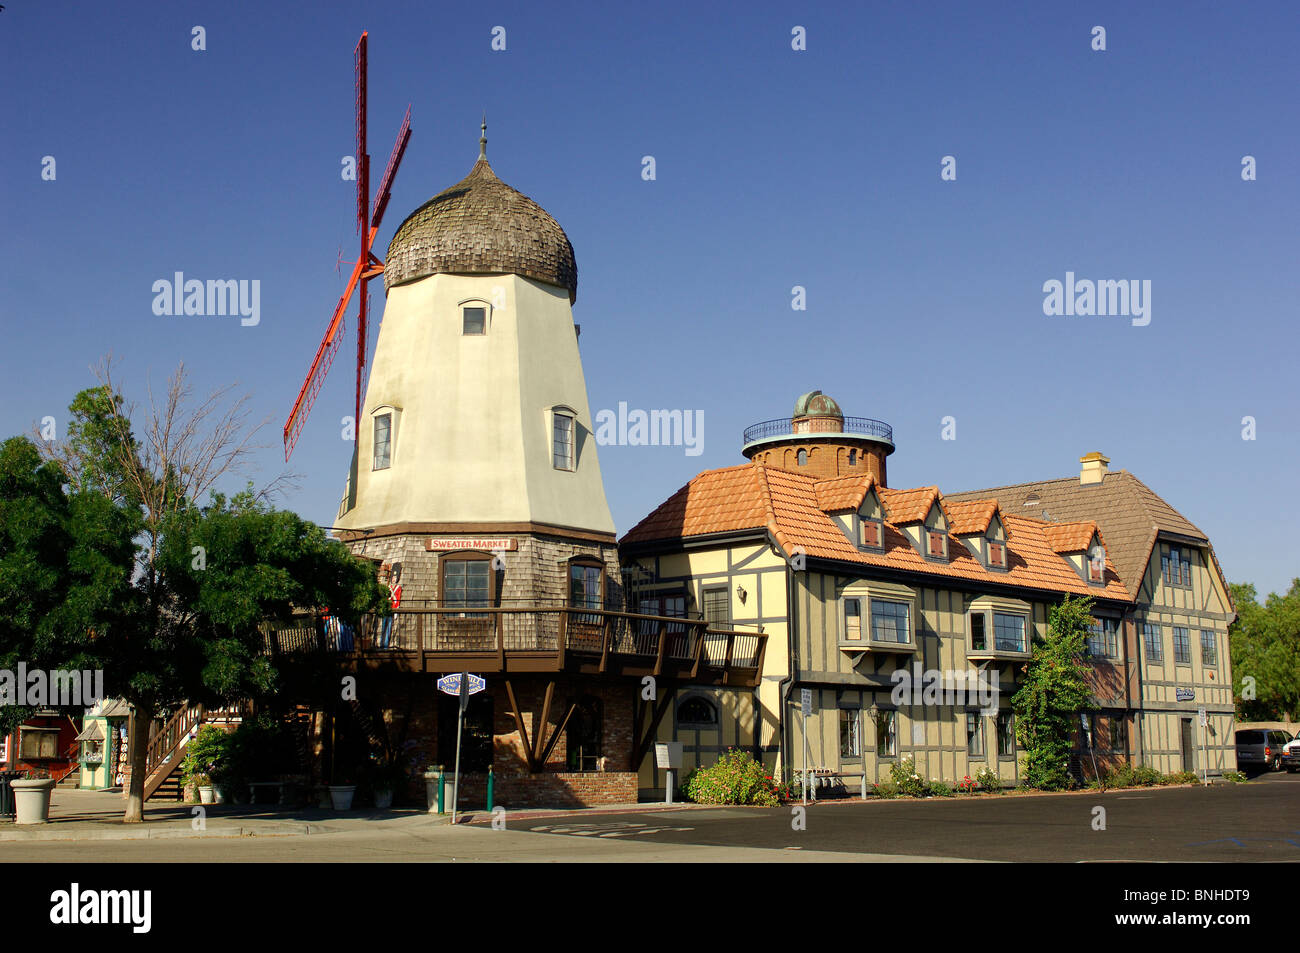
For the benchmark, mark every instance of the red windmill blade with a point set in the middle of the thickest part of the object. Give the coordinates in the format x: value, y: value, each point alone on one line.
x: 367, y: 266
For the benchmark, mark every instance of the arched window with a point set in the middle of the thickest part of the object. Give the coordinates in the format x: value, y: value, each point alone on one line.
x: 697, y: 712
x: 803, y: 458
x: 582, y: 739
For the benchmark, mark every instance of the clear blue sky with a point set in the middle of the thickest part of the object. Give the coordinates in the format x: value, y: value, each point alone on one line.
x: 775, y: 168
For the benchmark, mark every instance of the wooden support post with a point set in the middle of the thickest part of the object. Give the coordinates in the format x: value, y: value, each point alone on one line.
x: 563, y: 637
x: 643, y: 743
x: 501, y: 641
x: 521, y: 727
x: 762, y: 650
x: 726, y: 665
x: 546, y: 715
x: 604, y: 646
x: 555, y: 736
x: 663, y: 644
x: 699, y: 649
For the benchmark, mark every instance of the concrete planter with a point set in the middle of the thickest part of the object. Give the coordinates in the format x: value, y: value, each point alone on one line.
x: 341, y: 796
x: 207, y: 795
x: 32, y: 800
x: 383, y: 800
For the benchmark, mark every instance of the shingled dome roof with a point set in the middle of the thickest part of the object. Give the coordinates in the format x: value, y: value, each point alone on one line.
x: 481, y: 226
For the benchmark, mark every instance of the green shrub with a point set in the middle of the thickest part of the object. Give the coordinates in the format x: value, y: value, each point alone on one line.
x: 736, y: 779
x: 910, y: 784
x: 940, y: 789
x: 885, y: 789
x: 206, y: 757
x: 1121, y: 776
x: 1181, y: 777
x: 1234, y: 777
x: 1145, y: 775
x: 988, y: 780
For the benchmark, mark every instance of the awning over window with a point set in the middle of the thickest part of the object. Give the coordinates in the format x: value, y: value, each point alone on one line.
x: 92, y: 732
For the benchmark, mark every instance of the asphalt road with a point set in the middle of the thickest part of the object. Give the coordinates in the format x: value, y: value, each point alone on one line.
x: 1259, y: 821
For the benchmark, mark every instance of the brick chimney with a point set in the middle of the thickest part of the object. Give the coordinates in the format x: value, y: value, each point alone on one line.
x: 1094, y: 468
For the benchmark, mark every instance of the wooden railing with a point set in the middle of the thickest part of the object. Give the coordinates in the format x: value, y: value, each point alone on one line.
x: 559, y: 630
x: 174, y: 732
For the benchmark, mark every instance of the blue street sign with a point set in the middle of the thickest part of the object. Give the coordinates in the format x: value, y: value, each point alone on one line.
x: 451, y: 684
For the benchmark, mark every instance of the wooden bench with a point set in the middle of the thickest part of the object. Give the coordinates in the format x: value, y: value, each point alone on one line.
x: 254, y: 785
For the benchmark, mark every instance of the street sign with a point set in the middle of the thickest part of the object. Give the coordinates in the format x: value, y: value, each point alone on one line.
x: 805, y: 701
x: 450, y: 684
x: 668, y: 755
x: 1203, y: 717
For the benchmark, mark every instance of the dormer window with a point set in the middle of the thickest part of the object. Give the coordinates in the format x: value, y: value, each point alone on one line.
x: 1177, y: 567
x: 1096, y: 558
x: 562, y: 431
x: 473, y: 319
x: 997, y: 554
x: 936, y: 545
x: 870, y: 533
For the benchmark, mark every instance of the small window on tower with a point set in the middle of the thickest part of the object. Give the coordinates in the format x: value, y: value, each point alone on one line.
x: 803, y: 458
x: 474, y: 320
x: 562, y: 442
x: 853, y: 458
x: 383, y: 441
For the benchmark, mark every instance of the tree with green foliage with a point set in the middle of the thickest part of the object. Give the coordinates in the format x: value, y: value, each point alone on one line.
x: 65, y: 568
x: 1053, y: 691
x: 1265, y: 644
x: 203, y: 580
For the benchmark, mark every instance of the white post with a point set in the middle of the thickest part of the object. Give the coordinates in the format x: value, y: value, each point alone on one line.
x: 460, y: 724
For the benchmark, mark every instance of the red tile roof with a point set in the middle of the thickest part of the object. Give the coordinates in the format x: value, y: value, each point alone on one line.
x: 1071, y: 537
x: 910, y: 506
x: 971, y: 516
x: 790, y: 507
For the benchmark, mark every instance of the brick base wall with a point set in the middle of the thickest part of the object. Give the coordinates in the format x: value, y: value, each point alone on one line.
x: 550, y: 789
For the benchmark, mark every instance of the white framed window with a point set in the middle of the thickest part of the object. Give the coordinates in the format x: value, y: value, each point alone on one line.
x: 1153, y: 642
x: 891, y: 621
x: 383, y: 457
x: 1006, y: 735
x: 853, y: 619
x: 974, y: 734
x: 850, y: 733
x: 1209, y: 648
x: 562, y: 439
x: 1009, y: 632
x: 887, y: 733
x: 473, y: 320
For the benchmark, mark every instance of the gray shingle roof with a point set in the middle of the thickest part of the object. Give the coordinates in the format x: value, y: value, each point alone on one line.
x: 1128, y: 511
x: 481, y: 226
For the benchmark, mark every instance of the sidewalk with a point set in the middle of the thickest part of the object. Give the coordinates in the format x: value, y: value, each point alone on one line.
x: 97, y: 815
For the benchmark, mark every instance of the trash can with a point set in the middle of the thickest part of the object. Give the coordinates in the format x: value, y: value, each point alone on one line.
x: 7, y: 793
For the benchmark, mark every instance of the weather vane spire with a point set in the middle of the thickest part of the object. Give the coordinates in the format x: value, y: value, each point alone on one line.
x: 482, y: 139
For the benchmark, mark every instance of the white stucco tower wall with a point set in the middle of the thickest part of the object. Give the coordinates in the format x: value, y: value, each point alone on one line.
x: 472, y: 413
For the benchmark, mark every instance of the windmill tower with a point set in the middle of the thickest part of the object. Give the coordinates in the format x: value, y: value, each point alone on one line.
x: 475, y: 437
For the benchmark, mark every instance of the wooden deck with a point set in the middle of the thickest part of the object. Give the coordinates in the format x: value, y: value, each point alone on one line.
x: 541, y: 639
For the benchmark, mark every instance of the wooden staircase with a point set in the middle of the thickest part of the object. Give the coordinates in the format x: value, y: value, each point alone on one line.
x: 168, y: 747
